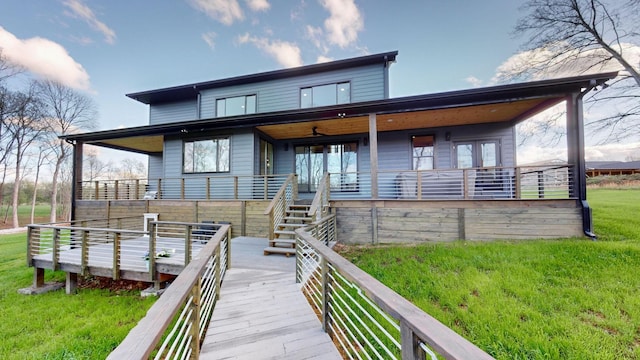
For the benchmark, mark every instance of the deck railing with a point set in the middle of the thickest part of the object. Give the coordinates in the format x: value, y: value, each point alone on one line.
x: 110, y: 246
x: 250, y: 187
x: 320, y: 204
x: 176, y: 324
x: 366, y: 319
x: 277, y: 208
x: 527, y: 182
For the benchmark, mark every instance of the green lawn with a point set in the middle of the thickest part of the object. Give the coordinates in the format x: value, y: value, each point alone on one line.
x: 55, y: 325
x: 542, y: 299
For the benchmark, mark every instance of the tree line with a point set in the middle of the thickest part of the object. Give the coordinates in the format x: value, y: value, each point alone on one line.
x: 32, y: 119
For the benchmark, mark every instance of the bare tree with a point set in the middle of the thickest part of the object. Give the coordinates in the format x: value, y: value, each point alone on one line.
x: 68, y: 111
x: 42, y: 157
x: 94, y: 168
x: 570, y: 37
x: 25, y: 124
x: 131, y: 169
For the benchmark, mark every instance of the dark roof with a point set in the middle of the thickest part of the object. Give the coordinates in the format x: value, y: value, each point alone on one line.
x: 190, y: 91
x: 619, y: 165
x: 476, y: 96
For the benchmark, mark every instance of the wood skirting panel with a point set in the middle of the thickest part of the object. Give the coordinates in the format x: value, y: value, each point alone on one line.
x: 367, y: 222
x: 246, y: 217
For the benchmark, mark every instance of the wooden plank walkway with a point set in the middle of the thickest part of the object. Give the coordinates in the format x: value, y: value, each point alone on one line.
x: 262, y: 313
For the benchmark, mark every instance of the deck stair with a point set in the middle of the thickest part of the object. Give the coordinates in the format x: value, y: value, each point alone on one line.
x: 284, y: 241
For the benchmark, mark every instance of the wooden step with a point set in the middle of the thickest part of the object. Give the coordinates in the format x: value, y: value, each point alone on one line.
x: 282, y: 241
x: 285, y: 232
x: 297, y: 218
x: 292, y: 225
x: 278, y: 250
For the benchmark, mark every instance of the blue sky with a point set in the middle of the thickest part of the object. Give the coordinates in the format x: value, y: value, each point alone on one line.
x: 110, y: 48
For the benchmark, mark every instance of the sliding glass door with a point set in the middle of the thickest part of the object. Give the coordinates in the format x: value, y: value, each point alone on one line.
x: 340, y: 160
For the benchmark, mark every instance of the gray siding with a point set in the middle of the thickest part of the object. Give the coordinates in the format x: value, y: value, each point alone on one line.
x: 241, y: 154
x: 367, y: 83
x: 155, y: 170
x: 172, y: 112
x: 394, y: 148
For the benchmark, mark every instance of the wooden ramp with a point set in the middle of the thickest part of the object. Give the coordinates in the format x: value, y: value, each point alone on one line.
x: 262, y: 314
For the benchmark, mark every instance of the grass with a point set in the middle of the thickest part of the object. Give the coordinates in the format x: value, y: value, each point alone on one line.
x: 54, y: 325
x: 40, y: 215
x: 541, y: 299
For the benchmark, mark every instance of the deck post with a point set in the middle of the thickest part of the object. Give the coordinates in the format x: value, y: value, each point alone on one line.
x: 38, y: 277
x: 218, y: 271
x: 410, y: 344
x: 373, y: 154
x: 55, y: 248
x: 84, y: 252
x: 116, y: 256
x: 187, y: 246
x: 228, y: 240
x: 195, y: 321
x: 324, y: 268
x: 152, y: 252
x: 71, y: 283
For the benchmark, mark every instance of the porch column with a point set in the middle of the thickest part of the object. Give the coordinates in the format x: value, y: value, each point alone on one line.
x: 76, y: 181
x: 575, y: 156
x: 373, y: 154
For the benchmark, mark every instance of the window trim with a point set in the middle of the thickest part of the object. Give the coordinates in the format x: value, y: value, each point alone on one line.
x: 217, y: 138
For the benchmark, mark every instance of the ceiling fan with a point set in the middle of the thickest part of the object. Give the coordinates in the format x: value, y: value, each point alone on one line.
x: 315, y: 132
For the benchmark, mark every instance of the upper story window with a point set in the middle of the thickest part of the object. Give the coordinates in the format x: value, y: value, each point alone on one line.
x: 206, y: 156
x: 422, y: 152
x: 323, y: 95
x: 237, y: 105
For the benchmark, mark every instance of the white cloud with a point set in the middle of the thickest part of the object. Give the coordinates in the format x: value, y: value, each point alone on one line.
x: 82, y: 11
x: 323, y: 59
x: 224, y: 11
x: 44, y: 58
x: 569, y: 63
x: 287, y: 54
x: 344, y: 22
x: 209, y: 38
x: 474, y: 81
x: 258, y: 5
x: 536, y: 153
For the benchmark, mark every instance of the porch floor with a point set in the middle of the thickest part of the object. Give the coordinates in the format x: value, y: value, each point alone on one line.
x: 262, y: 313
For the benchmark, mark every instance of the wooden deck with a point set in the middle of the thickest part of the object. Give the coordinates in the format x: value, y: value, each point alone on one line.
x: 133, y: 266
x: 262, y: 313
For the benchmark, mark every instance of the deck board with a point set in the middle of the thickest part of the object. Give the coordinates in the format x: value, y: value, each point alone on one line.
x: 262, y: 314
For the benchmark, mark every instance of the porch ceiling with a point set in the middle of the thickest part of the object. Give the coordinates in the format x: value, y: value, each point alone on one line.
x: 142, y: 144
x: 407, y: 120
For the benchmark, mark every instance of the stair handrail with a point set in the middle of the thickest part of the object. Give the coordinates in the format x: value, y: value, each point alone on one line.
x: 277, y: 208
x: 321, y: 199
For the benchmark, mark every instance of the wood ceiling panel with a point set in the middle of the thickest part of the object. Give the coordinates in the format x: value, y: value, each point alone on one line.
x: 476, y: 114
x: 146, y: 144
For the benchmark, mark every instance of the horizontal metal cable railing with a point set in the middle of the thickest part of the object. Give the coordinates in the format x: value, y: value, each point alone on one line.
x: 176, y: 324
x: 250, y: 187
x: 366, y: 319
x: 527, y: 182
x: 116, y: 244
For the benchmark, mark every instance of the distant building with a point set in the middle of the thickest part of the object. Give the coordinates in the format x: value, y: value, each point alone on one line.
x: 601, y: 168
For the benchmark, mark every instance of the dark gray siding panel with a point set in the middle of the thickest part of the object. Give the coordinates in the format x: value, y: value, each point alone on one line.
x: 367, y: 83
x: 172, y: 112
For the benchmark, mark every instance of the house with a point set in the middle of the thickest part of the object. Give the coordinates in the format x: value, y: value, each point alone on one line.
x: 604, y: 168
x: 432, y: 167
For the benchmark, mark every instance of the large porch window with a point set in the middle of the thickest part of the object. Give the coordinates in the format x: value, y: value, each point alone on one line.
x: 206, y: 156
x: 340, y: 160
